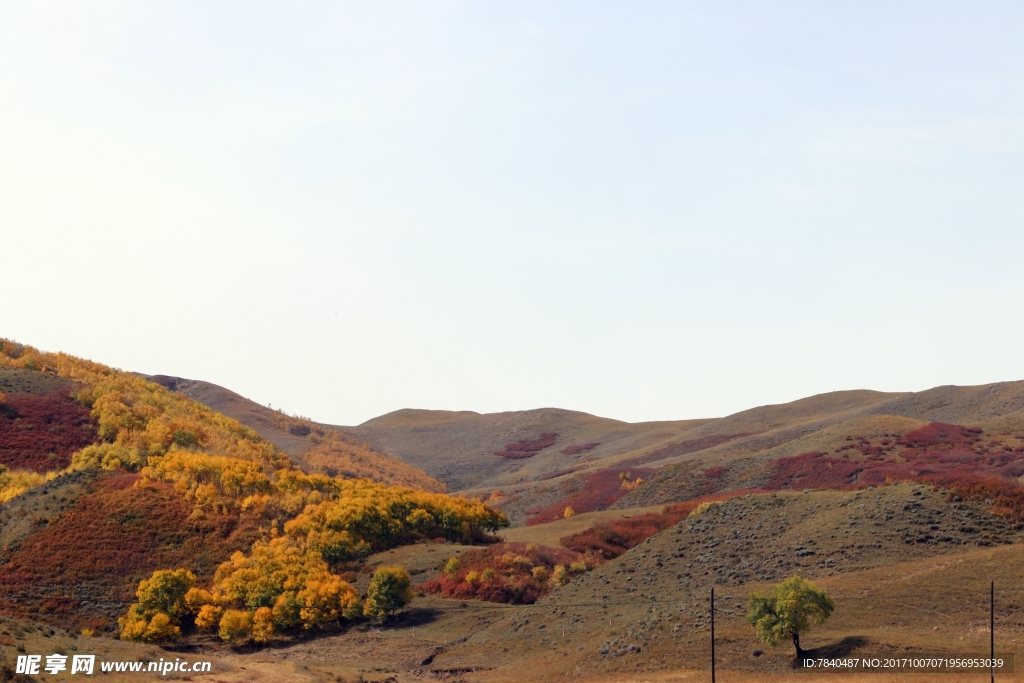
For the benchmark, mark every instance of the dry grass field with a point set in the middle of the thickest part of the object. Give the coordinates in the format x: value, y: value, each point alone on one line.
x: 890, y: 599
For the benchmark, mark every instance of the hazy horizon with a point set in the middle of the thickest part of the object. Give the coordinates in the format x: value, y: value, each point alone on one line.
x: 641, y: 212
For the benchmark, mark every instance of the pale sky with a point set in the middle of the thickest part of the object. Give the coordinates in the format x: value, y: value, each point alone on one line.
x: 640, y: 210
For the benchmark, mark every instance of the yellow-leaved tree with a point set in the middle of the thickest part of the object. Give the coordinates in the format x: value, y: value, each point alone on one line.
x: 288, y: 582
x: 390, y: 590
x: 160, y: 604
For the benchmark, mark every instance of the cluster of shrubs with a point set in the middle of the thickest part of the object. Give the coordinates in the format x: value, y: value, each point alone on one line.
x: 599, y: 490
x: 115, y: 533
x: 39, y: 433
x: 864, y: 446
x: 937, y: 433
x: 514, y: 573
x: 528, y: 448
x: 278, y: 589
x: 292, y: 578
x: 608, y: 540
x: 713, y: 480
x: 523, y: 573
x: 814, y: 470
x: 938, y: 449
x: 1006, y: 497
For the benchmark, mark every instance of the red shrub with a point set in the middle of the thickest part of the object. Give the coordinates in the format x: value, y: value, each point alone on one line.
x: 527, y: 449
x: 940, y: 433
x: 108, y: 541
x: 713, y: 480
x: 715, y: 472
x: 40, y: 433
x: 513, y: 580
x: 1006, y: 497
x: 580, y: 447
x: 608, y: 540
x: 814, y: 470
x: 600, y: 490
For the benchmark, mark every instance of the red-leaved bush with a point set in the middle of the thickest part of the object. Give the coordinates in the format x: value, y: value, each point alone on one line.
x: 1006, y: 497
x: 516, y: 573
x: 937, y: 433
x: 814, y: 470
x: 600, y: 490
x: 608, y: 540
x: 96, y: 552
x: 40, y: 433
x: 528, y: 448
x: 937, y: 450
x: 713, y: 479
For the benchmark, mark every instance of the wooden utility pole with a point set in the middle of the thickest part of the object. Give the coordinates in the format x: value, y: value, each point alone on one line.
x: 992, y: 630
x: 712, y: 634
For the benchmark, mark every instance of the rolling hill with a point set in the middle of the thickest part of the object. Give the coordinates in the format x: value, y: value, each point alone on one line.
x: 107, y: 478
x: 569, y: 458
x: 902, y: 505
x: 309, y: 445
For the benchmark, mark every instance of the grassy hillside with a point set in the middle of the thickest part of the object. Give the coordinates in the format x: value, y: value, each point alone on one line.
x: 644, y: 616
x: 310, y: 445
x: 687, y: 458
x: 463, y: 448
x: 256, y: 529
x: 112, y: 481
x: 542, y: 461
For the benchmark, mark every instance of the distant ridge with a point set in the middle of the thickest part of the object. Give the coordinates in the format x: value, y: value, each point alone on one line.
x: 310, y: 445
x: 459, y: 447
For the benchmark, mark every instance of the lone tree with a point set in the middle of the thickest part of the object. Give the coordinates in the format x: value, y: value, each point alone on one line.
x: 389, y: 591
x: 788, y: 610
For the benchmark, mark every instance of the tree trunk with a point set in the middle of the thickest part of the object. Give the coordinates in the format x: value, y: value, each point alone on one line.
x: 796, y: 643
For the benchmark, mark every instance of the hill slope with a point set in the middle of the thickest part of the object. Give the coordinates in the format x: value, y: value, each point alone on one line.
x: 687, y: 458
x: 546, y: 459
x: 309, y: 445
x: 462, y: 447
x: 106, y: 477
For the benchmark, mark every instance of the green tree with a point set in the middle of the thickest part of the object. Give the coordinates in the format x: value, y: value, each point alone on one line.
x: 389, y: 591
x: 160, y: 603
x: 788, y: 610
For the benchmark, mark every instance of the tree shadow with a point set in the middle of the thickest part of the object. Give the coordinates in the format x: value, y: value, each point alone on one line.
x: 407, y: 618
x: 835, y: 650
x: 415, y: 616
